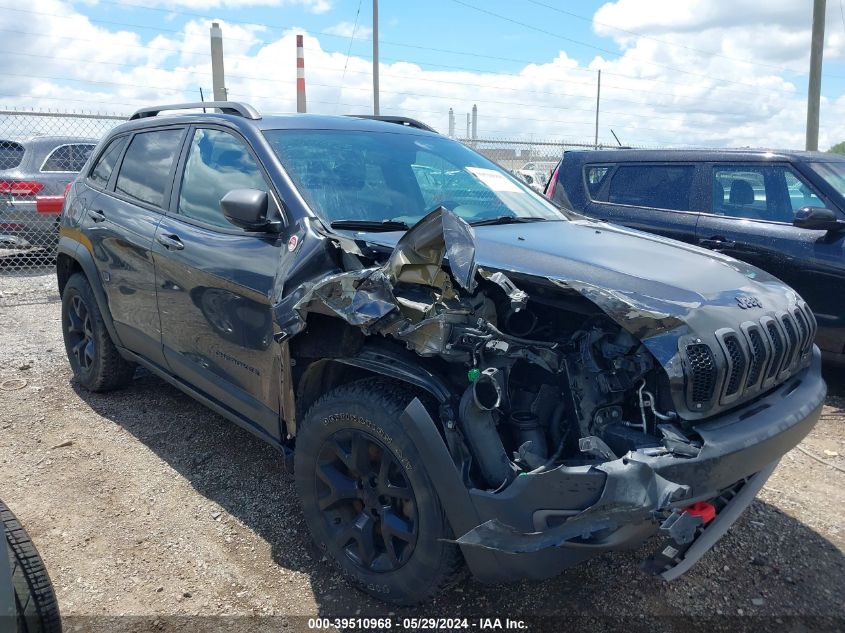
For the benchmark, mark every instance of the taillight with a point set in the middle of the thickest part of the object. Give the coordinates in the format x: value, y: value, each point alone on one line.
x: 550, y: 188
x: 51, y: 204
x: 20, y: 188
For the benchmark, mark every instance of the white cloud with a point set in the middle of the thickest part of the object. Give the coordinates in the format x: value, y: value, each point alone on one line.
x: 348, y: 29
x: 646, y: 100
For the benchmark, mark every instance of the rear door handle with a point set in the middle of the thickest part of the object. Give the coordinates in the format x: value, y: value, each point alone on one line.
x: 170, y: 242
x: 716, y: 242
x: 97, y: 215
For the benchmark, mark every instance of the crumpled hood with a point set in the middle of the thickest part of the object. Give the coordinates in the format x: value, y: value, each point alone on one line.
x: 648, y: 284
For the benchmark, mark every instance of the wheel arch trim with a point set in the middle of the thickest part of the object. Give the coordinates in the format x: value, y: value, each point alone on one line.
x: 75, y: 251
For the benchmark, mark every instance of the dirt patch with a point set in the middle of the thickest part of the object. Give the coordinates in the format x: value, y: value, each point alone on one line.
x: 144, y: 503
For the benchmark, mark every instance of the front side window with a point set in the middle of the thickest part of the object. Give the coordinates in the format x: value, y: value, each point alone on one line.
x: 68, y: 158
x: 656, y: 186
x: 147, y: 164
x: 800, y: 194
x: 105, y: 164
x: 771, y: 193
x: 377, y: 176
x: 217, y: 163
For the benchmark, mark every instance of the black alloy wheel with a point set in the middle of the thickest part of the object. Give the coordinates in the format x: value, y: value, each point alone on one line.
x: 80, y: 332
x: 366, y: 501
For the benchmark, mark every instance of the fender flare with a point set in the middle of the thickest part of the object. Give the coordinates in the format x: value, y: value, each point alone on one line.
x: 82, y: 256
x: 395, y: 366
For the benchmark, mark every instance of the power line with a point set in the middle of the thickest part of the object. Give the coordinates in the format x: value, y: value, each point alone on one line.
x: 667, y: 43
x: 755, y: 92
x: 594, y: 47
x: 349, y: 50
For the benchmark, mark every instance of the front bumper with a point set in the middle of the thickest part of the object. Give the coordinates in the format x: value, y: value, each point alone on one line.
x: 541, y: 524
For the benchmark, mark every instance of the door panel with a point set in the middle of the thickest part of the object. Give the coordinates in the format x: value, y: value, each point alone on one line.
x: 215, y: 282
x: 217, y: 323
x: 121, y: 228
x: 122, y: 235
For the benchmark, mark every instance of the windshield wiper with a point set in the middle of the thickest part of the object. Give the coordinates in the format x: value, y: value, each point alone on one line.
x: 370, y: 225
x: 507, y: 219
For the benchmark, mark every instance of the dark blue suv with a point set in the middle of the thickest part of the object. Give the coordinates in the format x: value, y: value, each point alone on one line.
x: 783, y: 212
x: 457, y: 370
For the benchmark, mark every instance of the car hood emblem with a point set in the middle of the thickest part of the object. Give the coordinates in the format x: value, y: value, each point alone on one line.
x: 748, y: 301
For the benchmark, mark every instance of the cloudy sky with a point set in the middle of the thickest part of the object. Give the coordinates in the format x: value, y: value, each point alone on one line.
x: 674, y: 72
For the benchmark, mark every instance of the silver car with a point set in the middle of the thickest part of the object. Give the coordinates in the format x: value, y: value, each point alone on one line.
x: 34, y: 173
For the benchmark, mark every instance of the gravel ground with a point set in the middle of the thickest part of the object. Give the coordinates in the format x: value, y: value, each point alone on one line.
x: 144, y: 503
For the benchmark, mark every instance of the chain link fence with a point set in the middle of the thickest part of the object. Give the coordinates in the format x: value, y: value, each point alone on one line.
x: 532, y: 160
x: 40, y: 154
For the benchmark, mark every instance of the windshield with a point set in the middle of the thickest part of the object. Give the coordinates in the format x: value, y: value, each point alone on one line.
x: 348, y: 175
x: 833, y: 173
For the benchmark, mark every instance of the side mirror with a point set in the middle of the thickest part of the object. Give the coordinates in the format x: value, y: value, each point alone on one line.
x: 248, y: 209
x: 818, y: 218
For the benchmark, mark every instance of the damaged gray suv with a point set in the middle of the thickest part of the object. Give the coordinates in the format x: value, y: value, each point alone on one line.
x: 458, y: 372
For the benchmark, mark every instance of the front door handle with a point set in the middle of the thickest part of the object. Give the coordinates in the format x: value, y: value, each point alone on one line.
x: 716, y: 242
x: 170, y: 242
x: 97, y: 215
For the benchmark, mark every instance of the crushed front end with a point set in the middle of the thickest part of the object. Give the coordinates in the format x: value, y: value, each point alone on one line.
x: 577, y: 410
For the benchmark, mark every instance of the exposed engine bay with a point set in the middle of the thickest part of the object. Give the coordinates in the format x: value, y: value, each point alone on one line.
x: 541, y: 377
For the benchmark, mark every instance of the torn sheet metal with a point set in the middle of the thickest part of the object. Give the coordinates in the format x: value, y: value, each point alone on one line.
x: 633, y: 494
x: 418, y: 257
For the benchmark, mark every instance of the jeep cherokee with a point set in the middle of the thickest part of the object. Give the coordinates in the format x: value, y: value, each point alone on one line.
x: 456, y: 370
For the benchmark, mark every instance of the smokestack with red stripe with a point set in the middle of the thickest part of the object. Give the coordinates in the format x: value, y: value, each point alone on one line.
x: 300, y: 75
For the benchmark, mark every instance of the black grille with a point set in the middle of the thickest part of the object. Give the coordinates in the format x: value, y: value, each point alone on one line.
x: 754, y: 357
x: 803, y: 328
x: 702, y: 368
x: 777, y: 349
x: 792, y: 339
x: 737, y: 364
x: 758, y: 356
x: 811, y: 321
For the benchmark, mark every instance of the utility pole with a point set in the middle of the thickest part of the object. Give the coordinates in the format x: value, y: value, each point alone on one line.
x: 375, y: 57
x: 814, y: 88
x: 218, y: 81
x: 598, y: 99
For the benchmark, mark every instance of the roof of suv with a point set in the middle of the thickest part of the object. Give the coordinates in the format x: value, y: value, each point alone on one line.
x: 292, y: 121
x: 686, y: 155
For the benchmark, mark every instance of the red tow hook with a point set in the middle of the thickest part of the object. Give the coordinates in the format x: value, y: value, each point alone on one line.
x: 703, y: 509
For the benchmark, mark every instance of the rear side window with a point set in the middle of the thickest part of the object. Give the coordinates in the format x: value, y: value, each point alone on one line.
x: 146, y: 168
x: 68, y: 158
x: 595, y: 176
x: 105, y: 164
x: 217, y: 163
x: 11, y: 155
x: 656, y: 186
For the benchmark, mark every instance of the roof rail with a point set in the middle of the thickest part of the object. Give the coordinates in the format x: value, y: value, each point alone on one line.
x: 401, y: 120
x: 226, y: 107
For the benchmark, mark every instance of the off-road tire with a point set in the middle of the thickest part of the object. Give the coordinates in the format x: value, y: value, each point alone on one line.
x: 108, y: 370
x: 374, y: 406
x: 35, y: 601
